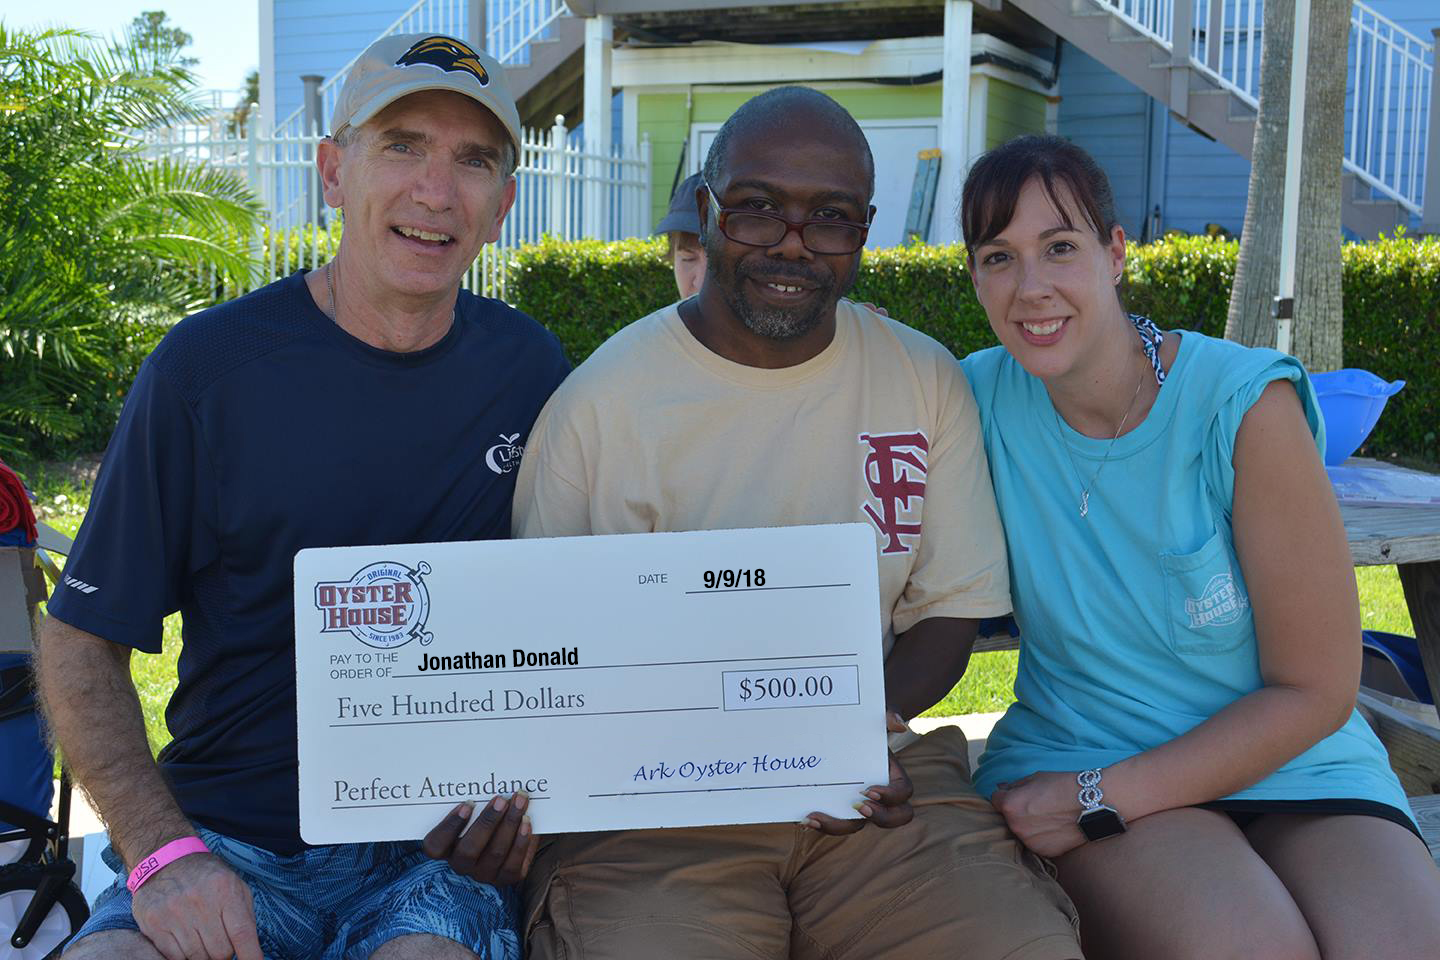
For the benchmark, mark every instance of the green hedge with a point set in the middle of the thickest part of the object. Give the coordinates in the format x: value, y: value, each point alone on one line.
x: 586, y: 291
x: 1392, y: 328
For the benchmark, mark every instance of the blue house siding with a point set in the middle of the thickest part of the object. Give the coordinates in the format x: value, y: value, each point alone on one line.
x: 321, y: 36
x: 1109, y: 117
x: 1150, y: 158
x: 1417, y: 16
x: 1205, y: 182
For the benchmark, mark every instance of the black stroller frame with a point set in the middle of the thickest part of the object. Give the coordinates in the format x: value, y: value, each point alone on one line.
x: 45, y: 865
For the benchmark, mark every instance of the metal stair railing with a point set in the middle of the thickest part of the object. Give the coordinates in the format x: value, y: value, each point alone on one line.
x: 513, y: 25
x: 1388, y: 86
x: 1154, y: 18
x: 1227, y: 43
x: 1389, y: 89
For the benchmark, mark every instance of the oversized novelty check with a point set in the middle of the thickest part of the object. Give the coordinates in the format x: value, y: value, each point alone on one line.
x: 655, y: 680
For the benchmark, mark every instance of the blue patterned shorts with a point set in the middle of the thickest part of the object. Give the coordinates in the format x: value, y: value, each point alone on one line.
x: 343, y: 902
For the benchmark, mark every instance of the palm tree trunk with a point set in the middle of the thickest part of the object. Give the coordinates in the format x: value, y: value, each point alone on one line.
x: 1318, y: 304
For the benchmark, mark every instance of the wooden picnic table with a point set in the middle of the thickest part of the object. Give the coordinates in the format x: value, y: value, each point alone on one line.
x: 1407, y: 536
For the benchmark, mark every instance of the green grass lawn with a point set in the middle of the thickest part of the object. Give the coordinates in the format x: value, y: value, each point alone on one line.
x: 988, y: 685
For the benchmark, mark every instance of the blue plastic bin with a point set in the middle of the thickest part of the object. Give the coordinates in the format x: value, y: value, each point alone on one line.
x: 1350, y: 402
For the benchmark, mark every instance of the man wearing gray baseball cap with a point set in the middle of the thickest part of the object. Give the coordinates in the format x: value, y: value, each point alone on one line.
x: 369, y: 401
x: 681, y: 226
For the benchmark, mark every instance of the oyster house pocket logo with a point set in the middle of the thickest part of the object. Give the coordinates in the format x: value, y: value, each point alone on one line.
x: 385, y: 605
x: 1222, y: 603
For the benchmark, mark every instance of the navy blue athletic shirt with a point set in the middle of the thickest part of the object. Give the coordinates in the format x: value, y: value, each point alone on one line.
x: 256, y: 429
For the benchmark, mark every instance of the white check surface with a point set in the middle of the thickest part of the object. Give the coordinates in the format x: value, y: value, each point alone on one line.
x: 665, y: 680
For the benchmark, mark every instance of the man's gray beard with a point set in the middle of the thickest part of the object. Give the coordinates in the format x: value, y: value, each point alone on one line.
x: 776, y: 324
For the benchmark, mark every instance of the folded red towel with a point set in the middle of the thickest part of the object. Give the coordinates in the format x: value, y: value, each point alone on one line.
x: 15, y: 512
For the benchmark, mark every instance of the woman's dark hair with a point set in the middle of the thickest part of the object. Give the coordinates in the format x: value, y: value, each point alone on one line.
x: 992, y: 188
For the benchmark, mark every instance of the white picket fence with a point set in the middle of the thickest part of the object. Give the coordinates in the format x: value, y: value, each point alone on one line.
x: 1388, y: 80
x: 562, y: 191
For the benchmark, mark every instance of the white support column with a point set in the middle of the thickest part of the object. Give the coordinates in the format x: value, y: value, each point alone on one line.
x: 599, y: 46
x: 978, y: 117
x: 954, y: 119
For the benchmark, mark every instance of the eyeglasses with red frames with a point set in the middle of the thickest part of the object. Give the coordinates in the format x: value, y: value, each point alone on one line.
x: 757, y: 228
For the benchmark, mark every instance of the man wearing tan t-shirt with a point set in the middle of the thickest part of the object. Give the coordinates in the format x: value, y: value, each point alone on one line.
x: 767, y: 400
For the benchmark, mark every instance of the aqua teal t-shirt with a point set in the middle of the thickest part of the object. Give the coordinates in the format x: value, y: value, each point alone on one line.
x: 1135, y: 622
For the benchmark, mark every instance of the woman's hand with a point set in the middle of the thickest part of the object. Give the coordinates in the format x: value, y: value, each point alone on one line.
x: 1042, y: 810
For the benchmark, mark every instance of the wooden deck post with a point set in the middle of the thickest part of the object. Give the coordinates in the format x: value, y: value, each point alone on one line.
x: 1421, y: 583
x: 1182, y: 40
x: 1215, y: 35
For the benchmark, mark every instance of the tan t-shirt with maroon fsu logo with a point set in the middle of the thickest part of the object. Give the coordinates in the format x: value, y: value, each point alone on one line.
x: 657, y: 433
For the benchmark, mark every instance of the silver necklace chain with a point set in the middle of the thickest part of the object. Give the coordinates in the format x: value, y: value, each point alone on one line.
x: 1085, y: 488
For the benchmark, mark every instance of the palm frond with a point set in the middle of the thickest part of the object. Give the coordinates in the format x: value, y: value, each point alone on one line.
x: 94, y: 235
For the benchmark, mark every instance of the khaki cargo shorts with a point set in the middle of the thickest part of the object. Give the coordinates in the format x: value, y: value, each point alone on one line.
x: 952, y: 883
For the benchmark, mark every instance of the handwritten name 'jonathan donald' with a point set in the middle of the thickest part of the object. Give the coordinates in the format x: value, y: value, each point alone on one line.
x: 518, y: 659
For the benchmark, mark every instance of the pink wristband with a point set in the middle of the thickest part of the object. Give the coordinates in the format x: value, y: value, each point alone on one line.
x: 163, y: 857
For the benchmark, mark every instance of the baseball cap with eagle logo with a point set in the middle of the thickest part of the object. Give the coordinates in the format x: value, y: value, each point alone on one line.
x: 446, y: 54
x: 397, y: 66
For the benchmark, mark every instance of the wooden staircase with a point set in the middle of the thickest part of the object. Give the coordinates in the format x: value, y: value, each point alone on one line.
x: 550, y: 83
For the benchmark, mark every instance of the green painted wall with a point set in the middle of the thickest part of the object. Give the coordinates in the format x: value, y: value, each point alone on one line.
x: 663, y: 116
x: 1011, y: 111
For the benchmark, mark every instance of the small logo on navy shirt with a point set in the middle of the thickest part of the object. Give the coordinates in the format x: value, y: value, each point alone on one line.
x: 385, y: 605
x: 505, y: 455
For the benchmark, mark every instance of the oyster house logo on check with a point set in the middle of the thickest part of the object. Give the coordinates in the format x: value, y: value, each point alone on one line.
x: 385, y: 605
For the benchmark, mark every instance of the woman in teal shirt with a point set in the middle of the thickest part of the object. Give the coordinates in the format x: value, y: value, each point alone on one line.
x: 1184, y: 744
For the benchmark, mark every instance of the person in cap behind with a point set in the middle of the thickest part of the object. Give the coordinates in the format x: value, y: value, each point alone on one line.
x: 271, y: 423
x: 681, y: 227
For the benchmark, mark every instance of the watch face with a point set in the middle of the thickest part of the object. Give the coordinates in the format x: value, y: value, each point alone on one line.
x: 1100, y: 823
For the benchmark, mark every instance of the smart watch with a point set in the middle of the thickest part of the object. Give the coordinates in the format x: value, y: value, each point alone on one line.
x: 1097, y: 821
